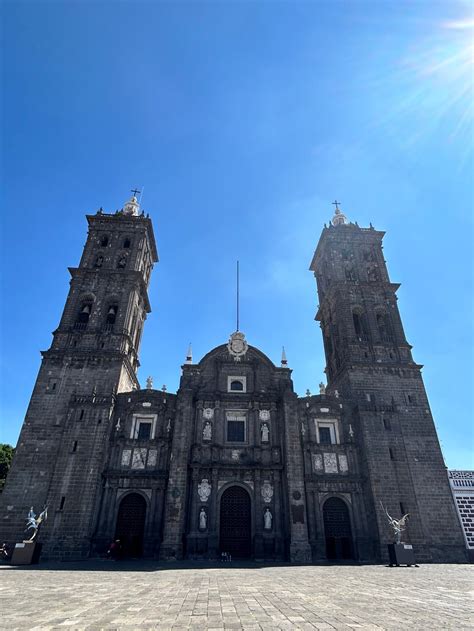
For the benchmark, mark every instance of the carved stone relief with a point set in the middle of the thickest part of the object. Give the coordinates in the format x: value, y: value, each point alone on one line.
x: 267, y: 492
x: 330, y: 463
x: 204, y: 490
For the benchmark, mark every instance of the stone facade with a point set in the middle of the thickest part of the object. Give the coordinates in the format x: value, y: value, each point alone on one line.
x: 462, y: 488
x: 234, y: 462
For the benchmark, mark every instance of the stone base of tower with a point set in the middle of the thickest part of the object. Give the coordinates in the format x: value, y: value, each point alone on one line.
x: 171, y: 552
x: 300, y: 552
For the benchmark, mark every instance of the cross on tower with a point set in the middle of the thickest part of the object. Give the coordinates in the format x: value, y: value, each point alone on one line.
x: 135, y: 191
x: 336, y: 204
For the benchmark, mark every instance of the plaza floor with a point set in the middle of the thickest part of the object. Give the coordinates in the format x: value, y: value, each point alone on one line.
x: 109, y: 595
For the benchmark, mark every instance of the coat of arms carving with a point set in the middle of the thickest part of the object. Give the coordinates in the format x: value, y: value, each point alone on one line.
x: 237, y: 346
x: 267, y: 492
x: 204, y: 490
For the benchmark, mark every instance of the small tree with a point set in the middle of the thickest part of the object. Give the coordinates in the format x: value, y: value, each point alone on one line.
x: 6, y: 456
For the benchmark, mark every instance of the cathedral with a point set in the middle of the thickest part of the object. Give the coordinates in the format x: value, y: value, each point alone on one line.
x: 234, y: 462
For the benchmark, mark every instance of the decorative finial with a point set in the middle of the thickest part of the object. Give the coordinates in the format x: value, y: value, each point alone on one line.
x: 284, y: 361
x: 189, y: 355
x: 132, y: 206
x: 308, y: 393
x: 149, y: 383
x: 339, y: 217
x: 322, y: 388
x: 163, y: 388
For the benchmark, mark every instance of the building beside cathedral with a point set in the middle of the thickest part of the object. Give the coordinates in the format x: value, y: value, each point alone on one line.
x: 234, y: 461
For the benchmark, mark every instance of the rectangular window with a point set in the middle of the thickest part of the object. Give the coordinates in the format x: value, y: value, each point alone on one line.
x: 325, y: 435
x: 236, y: 427
x: 236, y: 384
x: 144, y: 431
x: 143, y: 427
x: 61, y: 505
x: 327, y: 432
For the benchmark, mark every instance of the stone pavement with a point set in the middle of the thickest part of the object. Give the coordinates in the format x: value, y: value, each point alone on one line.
x: 107, y: 595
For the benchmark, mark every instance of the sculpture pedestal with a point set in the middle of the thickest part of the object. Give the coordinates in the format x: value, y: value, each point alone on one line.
x: 401, y: 554
x: 26, y: 553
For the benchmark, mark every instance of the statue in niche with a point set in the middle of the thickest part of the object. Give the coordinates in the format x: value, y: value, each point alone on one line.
x: 350, y: 274
x: 122, y: 262
x: 372, y: 273
x: 207, y: 431
x: 265, y: 433
x: 267, y: 519
x: 202, y: 519
x: 99, y: 260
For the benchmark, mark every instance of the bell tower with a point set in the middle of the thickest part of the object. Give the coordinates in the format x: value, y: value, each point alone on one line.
x: 93, y: 356
x: 369, y: 362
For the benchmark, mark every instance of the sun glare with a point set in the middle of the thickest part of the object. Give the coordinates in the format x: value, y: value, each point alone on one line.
x: 433, y: 87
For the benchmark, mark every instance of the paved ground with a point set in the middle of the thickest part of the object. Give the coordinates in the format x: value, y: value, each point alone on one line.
x: 108, y: 595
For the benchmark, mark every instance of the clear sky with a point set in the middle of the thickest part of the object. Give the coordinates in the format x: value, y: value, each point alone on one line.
x: 243, y: 121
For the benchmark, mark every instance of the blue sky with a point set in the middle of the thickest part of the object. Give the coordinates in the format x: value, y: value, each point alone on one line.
x: 243, y: 121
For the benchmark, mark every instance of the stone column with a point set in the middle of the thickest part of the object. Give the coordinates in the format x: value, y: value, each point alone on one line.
x: 300, y: 550
x: 258, y: 516
x: 213, y: 535
x: 175, y: 509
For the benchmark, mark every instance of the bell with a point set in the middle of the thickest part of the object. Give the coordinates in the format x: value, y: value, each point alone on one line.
x: 86, y: 309
x: 111, y: 311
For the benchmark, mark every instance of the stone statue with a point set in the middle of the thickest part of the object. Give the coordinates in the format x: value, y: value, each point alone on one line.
x: 33, y: 523
x: 207, y: 431
x: 149, y: 383
x: 202, y: 519
x: 267, y: 519
x: 398, y: 525
x: 265, y: 433
x: 322, y: 388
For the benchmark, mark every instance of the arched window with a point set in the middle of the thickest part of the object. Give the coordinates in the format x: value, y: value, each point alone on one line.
x: 83, y: 315
x: 104, y: 242
x: 127, y: 243
x: 360, y: 326
x: 236, y: 386
x: 111, y: 317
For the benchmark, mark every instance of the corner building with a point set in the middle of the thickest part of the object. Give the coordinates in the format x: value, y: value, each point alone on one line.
x: 234, y: 461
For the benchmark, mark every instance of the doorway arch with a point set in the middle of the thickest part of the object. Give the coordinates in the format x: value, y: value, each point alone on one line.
x: 131, y: 524
x: 337, y: 529
x: 235, y: 532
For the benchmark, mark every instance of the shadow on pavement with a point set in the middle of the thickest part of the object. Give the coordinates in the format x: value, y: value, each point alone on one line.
x: 150, y: 565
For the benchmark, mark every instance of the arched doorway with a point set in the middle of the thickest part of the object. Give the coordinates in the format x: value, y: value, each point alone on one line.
x: 337, y: 529
x: 235, y: 522
x: 131, y: 524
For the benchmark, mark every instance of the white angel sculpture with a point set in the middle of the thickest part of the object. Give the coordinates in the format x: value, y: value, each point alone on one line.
x: 32, y: 522
x: 398, y: 525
